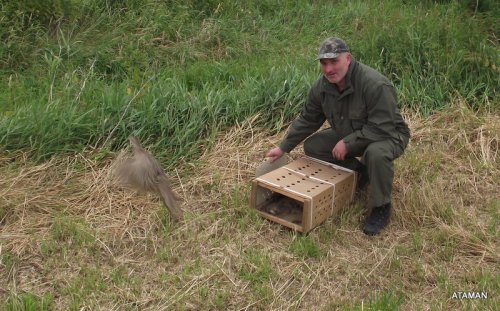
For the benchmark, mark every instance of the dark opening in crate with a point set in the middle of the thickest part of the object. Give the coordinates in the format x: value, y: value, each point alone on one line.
x: 283, y: 207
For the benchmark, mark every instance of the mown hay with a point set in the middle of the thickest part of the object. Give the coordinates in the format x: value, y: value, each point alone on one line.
x: 66, y: 229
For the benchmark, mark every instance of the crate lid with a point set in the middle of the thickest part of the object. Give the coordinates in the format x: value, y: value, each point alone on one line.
x: 306, y: 176
x: 294, y: 182
x: 319, y: 170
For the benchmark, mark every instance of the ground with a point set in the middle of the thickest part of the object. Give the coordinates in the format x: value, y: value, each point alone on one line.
x: 72, y: 238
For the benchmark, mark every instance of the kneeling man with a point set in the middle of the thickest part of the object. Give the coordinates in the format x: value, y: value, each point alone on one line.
x: 361, y: 107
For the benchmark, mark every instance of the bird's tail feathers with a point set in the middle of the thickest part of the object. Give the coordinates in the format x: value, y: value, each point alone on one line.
x: 170, y: 199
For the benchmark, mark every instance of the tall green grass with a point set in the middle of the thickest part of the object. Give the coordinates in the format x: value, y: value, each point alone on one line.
x: 89, y: 73
x: 28, y: 302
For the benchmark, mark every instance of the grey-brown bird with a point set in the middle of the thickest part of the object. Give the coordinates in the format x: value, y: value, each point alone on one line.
x: 143, y: 172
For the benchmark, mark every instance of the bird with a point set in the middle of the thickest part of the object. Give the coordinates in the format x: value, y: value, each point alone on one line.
x: 285, y: 208
x: 144, y: 173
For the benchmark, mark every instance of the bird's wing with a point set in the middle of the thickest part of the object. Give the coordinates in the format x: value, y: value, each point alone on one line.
x: 136, y: 173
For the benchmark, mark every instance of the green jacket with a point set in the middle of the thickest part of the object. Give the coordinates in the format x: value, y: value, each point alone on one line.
x: 365, y: 112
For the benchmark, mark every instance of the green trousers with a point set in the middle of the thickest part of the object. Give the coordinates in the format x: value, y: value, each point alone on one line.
x: 378, y: 158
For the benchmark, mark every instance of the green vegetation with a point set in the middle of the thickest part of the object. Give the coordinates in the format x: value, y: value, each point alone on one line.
x: 77, y: 73
x: 87, y: 283
x: 209, y: 86
x: 28, y: 302
x: 7, y: 260
x: 304, y: 246
x: 383, y: 301
x: 258, y: 271
x: 65, y: 229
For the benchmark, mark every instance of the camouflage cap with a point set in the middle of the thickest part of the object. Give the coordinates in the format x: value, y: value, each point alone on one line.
x: 331, y: 48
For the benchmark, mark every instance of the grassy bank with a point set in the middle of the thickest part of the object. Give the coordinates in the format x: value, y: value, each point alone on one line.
x: 89, y: 73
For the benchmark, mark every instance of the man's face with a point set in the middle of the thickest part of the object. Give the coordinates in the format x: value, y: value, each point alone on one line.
x: 335, y: 69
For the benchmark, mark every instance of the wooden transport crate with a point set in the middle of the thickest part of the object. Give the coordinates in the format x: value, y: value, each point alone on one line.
x: 319, y: 188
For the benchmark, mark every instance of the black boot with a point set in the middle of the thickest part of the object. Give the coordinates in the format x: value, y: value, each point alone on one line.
x: 377, y: 220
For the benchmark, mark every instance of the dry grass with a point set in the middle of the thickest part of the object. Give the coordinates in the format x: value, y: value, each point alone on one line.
x: 65, y: 229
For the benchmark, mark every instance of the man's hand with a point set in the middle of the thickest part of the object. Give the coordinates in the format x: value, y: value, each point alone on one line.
x: 339, y: 151
x: 274, y: 154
